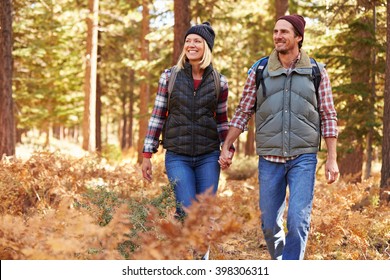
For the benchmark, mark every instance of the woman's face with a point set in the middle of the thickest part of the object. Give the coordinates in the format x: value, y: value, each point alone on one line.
x: 194, y: 47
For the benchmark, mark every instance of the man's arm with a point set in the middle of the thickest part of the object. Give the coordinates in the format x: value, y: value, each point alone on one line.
x: 331, y: 167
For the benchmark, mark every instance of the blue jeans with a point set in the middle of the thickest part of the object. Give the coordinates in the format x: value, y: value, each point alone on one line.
x: 299, y: 175
x: 191, y: 176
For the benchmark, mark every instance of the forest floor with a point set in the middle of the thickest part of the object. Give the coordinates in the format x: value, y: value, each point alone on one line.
x: 61, y: 203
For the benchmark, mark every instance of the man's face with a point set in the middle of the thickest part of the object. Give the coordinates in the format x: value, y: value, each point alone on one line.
x: 285, y: 39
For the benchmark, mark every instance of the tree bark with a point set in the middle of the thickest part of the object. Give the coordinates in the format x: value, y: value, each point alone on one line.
x: 145, y: 90
x: 89, y: 121
x: 124, y: 112
x: 385, y: 171
x: 182, y: 24
x: 98, y: 128
x: 281, y: 7
x: 250, y: 140
x: 352, y: 162
x: 370, y: 134
x: 7, y: 122
x: 98, y: 101
x: 131, y: 109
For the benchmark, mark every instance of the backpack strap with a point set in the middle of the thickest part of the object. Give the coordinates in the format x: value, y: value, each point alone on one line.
x: 217, y: 83
x: 172, y: 79
x: 316, y: 73
x: 259, y: 74
x: 171, y: 82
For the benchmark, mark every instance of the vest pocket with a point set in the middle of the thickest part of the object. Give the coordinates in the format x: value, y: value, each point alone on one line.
x: 265, y: 122
x: 303, y: 119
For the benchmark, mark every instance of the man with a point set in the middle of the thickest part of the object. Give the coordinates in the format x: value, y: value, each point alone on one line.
x: 287, y: 137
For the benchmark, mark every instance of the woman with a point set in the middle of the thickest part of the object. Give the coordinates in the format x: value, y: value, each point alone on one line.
x: 195, y: 124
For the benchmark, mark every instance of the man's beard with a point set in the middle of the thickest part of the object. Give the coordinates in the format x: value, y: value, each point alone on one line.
x: 282, y: 51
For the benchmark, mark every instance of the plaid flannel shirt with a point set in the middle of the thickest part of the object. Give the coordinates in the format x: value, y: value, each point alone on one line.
x: 328, y: 115
x: 159, y: 114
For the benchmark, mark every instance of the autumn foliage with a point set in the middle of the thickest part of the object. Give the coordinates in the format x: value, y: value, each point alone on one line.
x: 55, y: 206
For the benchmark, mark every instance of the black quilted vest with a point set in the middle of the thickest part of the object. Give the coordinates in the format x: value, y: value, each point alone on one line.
x: 191, y: 128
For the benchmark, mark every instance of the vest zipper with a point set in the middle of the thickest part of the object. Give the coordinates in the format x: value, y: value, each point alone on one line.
x: 192, y: 124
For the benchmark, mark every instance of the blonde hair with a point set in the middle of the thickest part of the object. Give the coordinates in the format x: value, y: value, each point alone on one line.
x: 205, y: 61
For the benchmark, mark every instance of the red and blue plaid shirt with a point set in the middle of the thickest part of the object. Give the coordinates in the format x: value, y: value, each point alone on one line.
x: 328, y: 115
x: 159, y: 114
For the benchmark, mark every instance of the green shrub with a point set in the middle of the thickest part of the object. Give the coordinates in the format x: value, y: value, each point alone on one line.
x: 140, y: 217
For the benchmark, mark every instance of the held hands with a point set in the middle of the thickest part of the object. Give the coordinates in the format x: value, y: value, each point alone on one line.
x: 147, y: 169
x: 225, y: 159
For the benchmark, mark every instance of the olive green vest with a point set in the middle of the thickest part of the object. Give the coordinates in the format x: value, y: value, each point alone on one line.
x: 287, y: 118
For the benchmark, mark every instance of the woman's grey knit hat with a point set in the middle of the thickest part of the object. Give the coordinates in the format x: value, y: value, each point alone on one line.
x: 205, y: 31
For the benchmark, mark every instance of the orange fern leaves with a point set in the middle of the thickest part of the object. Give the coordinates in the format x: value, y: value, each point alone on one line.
x: 207, y: 223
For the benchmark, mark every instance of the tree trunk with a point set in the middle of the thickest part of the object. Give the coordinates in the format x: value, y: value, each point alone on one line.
x: 131, y: 109
x: 98, y: 114
x: 385, y: 172
x: 369, y: 154
x: 281, y: 7
x: 351, y: 164
x: 7, y: 122
x: 124, y: 112
x: 370, y: 134
x: 250, y: 140
x: 89, y: 121
x: 182, y: 24
x: 98, y: 101
x: 145, y: 91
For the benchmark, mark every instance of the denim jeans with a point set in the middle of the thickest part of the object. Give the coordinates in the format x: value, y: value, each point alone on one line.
x: 191, y: 176
x: 299, y: 175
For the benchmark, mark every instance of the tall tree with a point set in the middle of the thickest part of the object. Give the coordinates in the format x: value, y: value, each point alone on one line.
x: 98, y: 128
x: 385, y: 172
x: 47, y: 83
x: 89, y: 121
x: 129, y: 133
x: 145, y: 89
x: 351, y: 162
x: 372, y: 100
x: 181, y: 9
x: 124, y: 96
x: 7, y: 127
x: 353, y: 52
x: 281, y: 7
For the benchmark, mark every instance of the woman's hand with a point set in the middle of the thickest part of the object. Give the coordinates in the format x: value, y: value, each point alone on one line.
x: 225, y: 159
x: 147, y: 169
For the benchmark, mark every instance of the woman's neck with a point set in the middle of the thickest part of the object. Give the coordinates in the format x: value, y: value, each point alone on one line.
x: 197, y: 72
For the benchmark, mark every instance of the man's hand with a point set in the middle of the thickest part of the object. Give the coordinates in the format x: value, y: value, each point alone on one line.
x: 225, y: 159
x: 331, y: 171
x: 331, y: 167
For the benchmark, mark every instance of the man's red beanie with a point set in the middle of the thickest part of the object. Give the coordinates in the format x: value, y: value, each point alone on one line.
x: 297, y: 21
